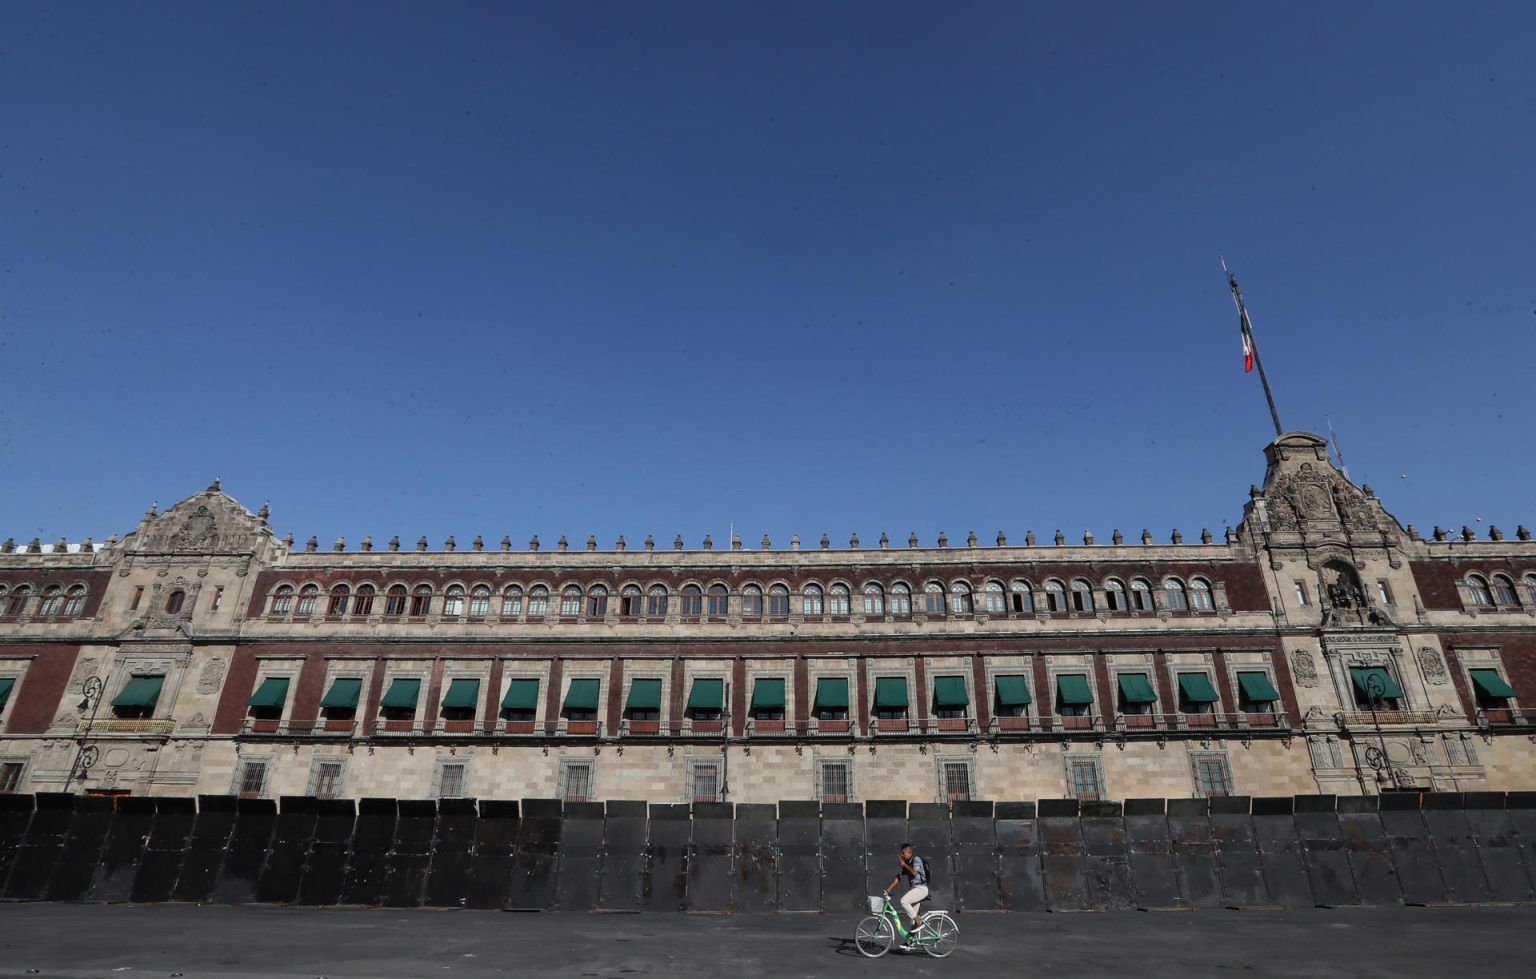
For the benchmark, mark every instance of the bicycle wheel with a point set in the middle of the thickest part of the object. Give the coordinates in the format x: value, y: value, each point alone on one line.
x: 946, y: 935
x: 874, y: 936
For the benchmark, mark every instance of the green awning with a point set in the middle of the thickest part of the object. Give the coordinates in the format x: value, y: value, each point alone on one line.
x: 522, y: 694
x: 463, y: 694
x: 1197, y: 688
x: 1488, y: 681
x: 402, y: 693
x: 644, y: 695
x: 891, y: 693
x: 949, y: 691
x: 343, y: 693
x: 1134, y: 689
x: 1257, y: 688
x: 9, y: 682
x: 832, y: 693
x: 140, y: 691
x: 1363, y: 675
x: 1072, y: 690
x: 272, y: 693
x: 768, y: 693
x: 1012, y: 691
x: 706, y: 694
x: 582, y: 695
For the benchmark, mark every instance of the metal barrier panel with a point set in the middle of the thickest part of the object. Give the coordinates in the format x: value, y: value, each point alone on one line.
x: 326, y: 865
x: 974, y: 839
x: 411, y: 854
x: 368, y: 859
x: 538, y: 851
x: 164, y: 850
x: 76, y: 866
x: 127, y: 837
x: 842, y: 857
x: 1455, y: 852
x: 41, y: 846
x: 1493, y: 841
x: 621, y: 850
x: 1194, y: 853
x: 1106, y: 858
x: 295, y: 833
x: 1413, y: 852
x: 1325, y: 851
x: 755, y: 880
x: 666, y: 879
x: 1149, y: 850
x: 1061, y: 855
x: 1237, y: 853
x: 249, y: 843
x: 582, y: 870
x: 709, y: 870
x: 495, y: 854
x: 452, y: 860
x: 1370, y: 856
x: 1020, y: 879
x: 885, y: 829
x: 1280, y: 852
x: 799, y: 865
x: 929, y: 830
x: 15, y: 814
x: 208, y: 840
x: 1520, y: 809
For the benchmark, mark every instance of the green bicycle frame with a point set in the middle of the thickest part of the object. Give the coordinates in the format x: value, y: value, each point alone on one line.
x: 890, y: 911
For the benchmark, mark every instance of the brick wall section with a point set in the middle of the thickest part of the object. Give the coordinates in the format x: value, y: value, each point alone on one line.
x: 861, y: 721
x: 238, y: 684
x: 42, y: 689
x: 803, y: 701
x: 1045, y: 697
x: 1109, y: 695
x: 1437, y: 579
x: 309, y: 690
x: 1517, y: 654
x: 94, y: 579
x: 676, y: 704
x: 1463, y: 689
x: 1167, y: 693
x: 434, y: 696
x: 738, y: 696
x: 1284, y: 683
x: 552, y: 699
x: 616, y: 695
x: 493, y: 697
x: 921, y: 694
x: 368, y: 712
x: 983, y: 701
x: 1223, y: 688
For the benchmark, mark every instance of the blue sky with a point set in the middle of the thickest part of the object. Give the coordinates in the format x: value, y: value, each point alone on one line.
x: 801, y: 268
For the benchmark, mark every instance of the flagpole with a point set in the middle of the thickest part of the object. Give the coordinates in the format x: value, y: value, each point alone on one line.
x: 1247, y: 325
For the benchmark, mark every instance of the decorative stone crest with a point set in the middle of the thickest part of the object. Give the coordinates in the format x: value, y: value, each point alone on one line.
x: 1303, y: 669
x: 212, y: 676
x: 197, y: 533
x: 1432, y: 665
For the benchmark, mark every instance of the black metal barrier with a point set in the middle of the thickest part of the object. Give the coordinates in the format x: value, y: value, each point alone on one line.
x: 540, y: 854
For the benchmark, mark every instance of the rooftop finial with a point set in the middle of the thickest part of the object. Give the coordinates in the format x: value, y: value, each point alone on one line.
x: 214, y: 487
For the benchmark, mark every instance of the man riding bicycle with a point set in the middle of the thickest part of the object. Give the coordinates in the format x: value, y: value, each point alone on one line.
x: 916, y: 871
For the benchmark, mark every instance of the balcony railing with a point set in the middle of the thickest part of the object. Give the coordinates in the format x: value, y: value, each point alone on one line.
x: 128, y: 725
x: 1499, y: 716
x: 1387, y: 718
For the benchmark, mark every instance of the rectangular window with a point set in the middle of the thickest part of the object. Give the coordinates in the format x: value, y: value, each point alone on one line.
x: 575, y: 781
x: 327, y: 780
x: 1083, y: 779
x: 957, y: 781
x: 834, y: 781
x: 1301, y: 593
x: 450, y: 783
x: 10, y: 776
x: 138, y: 596
x: 1384, y: 592
x: 1211, y: 776
x: 253, y: 779
x: 421, y: 604
x: 706, y: 783
x: 218, y: 598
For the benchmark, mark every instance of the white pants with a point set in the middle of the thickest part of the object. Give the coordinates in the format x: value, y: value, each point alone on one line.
x: 911, y: 899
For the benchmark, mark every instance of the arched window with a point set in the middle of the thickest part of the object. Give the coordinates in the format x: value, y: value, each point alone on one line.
x: 1200, y: 595
x: 453, y: 601
x: 4, y: 595
x: 338, y: 603
x: 1055, y: 596
x: 960, y: 599
x: 1114, y: 594
x: 631, y: 601
x: 693, y: 600
x: 176, y: 599
x: 421, y: 601
x: 656, y: 602
x: 874, y: 599
x: 597, y: 602
x: 74, y: 601
x: 53, y: 597
x: 570, y: 600
x: 719, y: 601
x: 363, y: 603
x: 538, y: 601
x: 837, y: 600
x: 1530, y: 588
x: 1022, y: 594
x: 933, y: 598
x: 282, y: 600
x: 512, y: 600
x: 901, y: 599
x: 395, y: 600
x: 752, y: 601
x: 778, y: 600
x: 479, y: 602
x: 1141, y: 595
x: 1082, y: 596
x: 994, y: 598
x: 1477, y: 586
x: 1504, y: 591
x: 309, y: 597
x: 811, y: 600
x: 1173, y: 592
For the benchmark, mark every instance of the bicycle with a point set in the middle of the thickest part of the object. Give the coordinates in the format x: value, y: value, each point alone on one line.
x: 938, y: 936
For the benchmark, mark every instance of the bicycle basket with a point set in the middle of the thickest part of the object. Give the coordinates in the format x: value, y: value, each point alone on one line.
x: 876, y: 904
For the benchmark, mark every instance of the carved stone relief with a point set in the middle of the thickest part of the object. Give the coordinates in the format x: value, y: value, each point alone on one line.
x: 1432, y: 666
x: 1303, y: 669
x: 212, y: 676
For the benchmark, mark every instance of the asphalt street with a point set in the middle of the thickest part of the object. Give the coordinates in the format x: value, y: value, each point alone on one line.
x: 55, y: 941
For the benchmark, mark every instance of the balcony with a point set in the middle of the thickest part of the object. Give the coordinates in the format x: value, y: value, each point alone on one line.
x: 579, y: 729
x: 1387, y: 718
x: 128, y: 725
x: 832, y: 725
x: 1499, y: 716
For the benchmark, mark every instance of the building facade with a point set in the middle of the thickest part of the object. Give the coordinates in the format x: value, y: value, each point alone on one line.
x: 1318, y: 647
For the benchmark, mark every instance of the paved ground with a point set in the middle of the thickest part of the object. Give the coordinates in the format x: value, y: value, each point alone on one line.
x: 53, y: 941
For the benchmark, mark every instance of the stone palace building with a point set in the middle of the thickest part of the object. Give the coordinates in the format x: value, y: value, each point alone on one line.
x: 1319, y: 647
